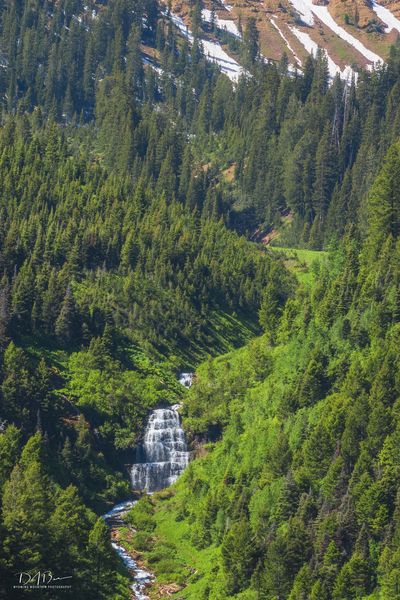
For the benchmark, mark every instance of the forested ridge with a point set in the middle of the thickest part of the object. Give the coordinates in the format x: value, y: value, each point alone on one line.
x: 296, y: 493
x: 294, y: 142
x: 129, y: 185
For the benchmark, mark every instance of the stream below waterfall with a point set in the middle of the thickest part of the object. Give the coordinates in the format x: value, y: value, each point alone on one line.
x: 160, y: 459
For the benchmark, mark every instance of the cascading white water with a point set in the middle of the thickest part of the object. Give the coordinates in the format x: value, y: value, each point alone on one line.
x: 163, y: 455
x: 186, y: 379
x: 141, y: 578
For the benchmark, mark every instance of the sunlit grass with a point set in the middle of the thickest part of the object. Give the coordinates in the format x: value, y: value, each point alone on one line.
x: 300, y: 261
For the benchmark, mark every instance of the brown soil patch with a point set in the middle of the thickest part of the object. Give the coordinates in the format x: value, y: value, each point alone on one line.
x: 152, y: 53
x: 229, y: 173
x: 272, y: 46
x: 167, y: 590
x: 269, y: 237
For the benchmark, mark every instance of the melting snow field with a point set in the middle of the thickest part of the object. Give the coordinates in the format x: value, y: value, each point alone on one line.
x: 227, y: 6
x: 287, y: 43
x: 229, y: 25
x: 228, y: 65
x: 180, y: 24
x: 312, y: 48
x: 147, y: 61
x: 212, y: 51
x: 306, y: 9
x: 386, y: 17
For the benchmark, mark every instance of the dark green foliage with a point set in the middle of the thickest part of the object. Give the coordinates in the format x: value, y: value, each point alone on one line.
x: 67, y: 325
x: 85, y: 262
x: 116, y: 266
x: 383, y: 201
x: 238, y: 556
x: 250, y: 43
x: 118, y: 185
x: 303, y: 473
x: 300, y: 146
x: 45, y: 526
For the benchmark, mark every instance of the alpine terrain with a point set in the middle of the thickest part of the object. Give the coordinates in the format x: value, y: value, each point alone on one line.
x: 199, y: 300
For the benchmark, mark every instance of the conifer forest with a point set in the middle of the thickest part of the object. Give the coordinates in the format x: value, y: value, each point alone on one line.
x: 199, y: 310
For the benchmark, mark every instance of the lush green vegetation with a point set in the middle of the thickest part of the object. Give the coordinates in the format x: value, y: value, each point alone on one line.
x: 116, y: 271
x: 299, y: 145
x: 301, y: 262
x: 296, y: 494
x: 123, y: 191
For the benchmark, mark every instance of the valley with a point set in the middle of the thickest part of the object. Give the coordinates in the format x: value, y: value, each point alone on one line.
x: 199, y: 300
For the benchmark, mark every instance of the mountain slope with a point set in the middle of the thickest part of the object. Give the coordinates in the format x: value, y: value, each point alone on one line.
x: 354, y: 34
x: 296, y: 494
x: 128, y: 165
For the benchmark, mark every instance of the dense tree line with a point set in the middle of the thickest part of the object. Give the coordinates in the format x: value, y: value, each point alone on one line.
x: 298, y: 495
x: 116, y: 268
x: 302, y: 144
x: 98, y: 272
x: 81, y: 248
x: 122, y: 179
x: 44, y: 524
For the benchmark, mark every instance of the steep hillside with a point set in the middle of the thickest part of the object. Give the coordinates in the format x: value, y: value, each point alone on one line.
x: 132, y: 170
x: 296, y: 493
x: 354, y: 33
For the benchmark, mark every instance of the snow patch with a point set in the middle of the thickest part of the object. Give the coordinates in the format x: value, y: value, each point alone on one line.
x: 312, y: 48
x: 228, y: 65
x: 228, y: 7
x: 180, y: 24
x: 304, y: 11
x: 297, y: 59
x: 386, y: 17
x: 227, y: 25
x: 147, y: 61
x: 323, y: 14
x: 212, y: 51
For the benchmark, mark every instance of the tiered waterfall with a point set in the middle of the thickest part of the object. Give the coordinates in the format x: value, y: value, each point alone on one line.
x: 163, y: 455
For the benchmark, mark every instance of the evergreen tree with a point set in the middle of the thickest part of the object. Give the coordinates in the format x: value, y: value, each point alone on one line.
x: 383, y: 201
x: 250, y: 42
x: 67, y: 326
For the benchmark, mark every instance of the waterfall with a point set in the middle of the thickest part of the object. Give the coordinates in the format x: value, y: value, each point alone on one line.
x: 186, y: 379
x: 163, y: 455
x: 161, y: 459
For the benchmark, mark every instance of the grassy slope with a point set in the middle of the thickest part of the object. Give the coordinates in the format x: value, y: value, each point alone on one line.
x: 300, y: 261
x: 190, y: 564
x: 170, y: 552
